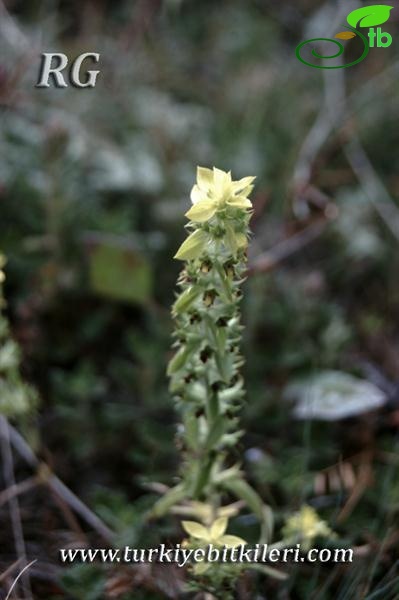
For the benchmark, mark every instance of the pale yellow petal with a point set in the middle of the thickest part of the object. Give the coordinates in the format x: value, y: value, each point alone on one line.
x: 231, y: 541
x: 202, y: 211
x: 245, y: 192
x: 218, y: 527
x: 197, y: 195
x: 221, y: 181
x: 193, y: 246
x: 230, y: 510
x: 204, y: 178
x: 195, y: 530
x: 239, y: 202
x: 202, y: 510
x: 240, y: 185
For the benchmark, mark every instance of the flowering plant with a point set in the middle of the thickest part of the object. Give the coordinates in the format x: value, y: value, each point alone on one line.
x: 204, y: 373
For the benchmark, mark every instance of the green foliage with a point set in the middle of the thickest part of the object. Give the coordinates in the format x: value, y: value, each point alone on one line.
x: 119, y: 272
x: 84, y: 582
x: 17, y: 399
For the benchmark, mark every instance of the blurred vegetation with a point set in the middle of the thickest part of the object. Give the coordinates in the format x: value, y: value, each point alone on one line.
x: 93, y: 188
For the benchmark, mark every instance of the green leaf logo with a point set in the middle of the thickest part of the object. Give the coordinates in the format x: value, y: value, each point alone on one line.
x: 369, y: 16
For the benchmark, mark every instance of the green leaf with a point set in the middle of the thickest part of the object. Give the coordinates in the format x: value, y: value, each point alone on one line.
x: 231, y: 239
x: 193, y: 246
x: 172, y: 497
x: 185, y: 300
x: 231, y: 393
x: 178, y: 360
x: 369, y: 16
x: 119, y: 271
x: 216, y: 433
x: 191, y: 429
x: 196, y: 392
x: 244, y: 491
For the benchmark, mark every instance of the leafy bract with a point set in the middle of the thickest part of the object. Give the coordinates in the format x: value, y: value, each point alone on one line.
x: 193, y: 246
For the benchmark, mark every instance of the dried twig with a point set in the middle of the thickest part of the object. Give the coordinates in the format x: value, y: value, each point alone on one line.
x: 286, y: 248
x: 372, y: 185
x: 364, y: 480
x: 369, y: 180
x: 9, y: 570
x: 9, y: 477
x: 57, y: 486
x: 18, y: 489
x: 69, y: 516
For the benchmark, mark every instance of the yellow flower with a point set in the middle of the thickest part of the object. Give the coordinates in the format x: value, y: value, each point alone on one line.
x: 216, y: 190
x: 215, y: 534
x: 307, y: 525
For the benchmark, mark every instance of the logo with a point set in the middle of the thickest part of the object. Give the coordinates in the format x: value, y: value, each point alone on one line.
x: 56, y: 72
x: 370, y: 17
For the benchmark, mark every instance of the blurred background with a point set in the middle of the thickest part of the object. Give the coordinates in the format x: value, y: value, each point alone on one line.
x: 94, y: 184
